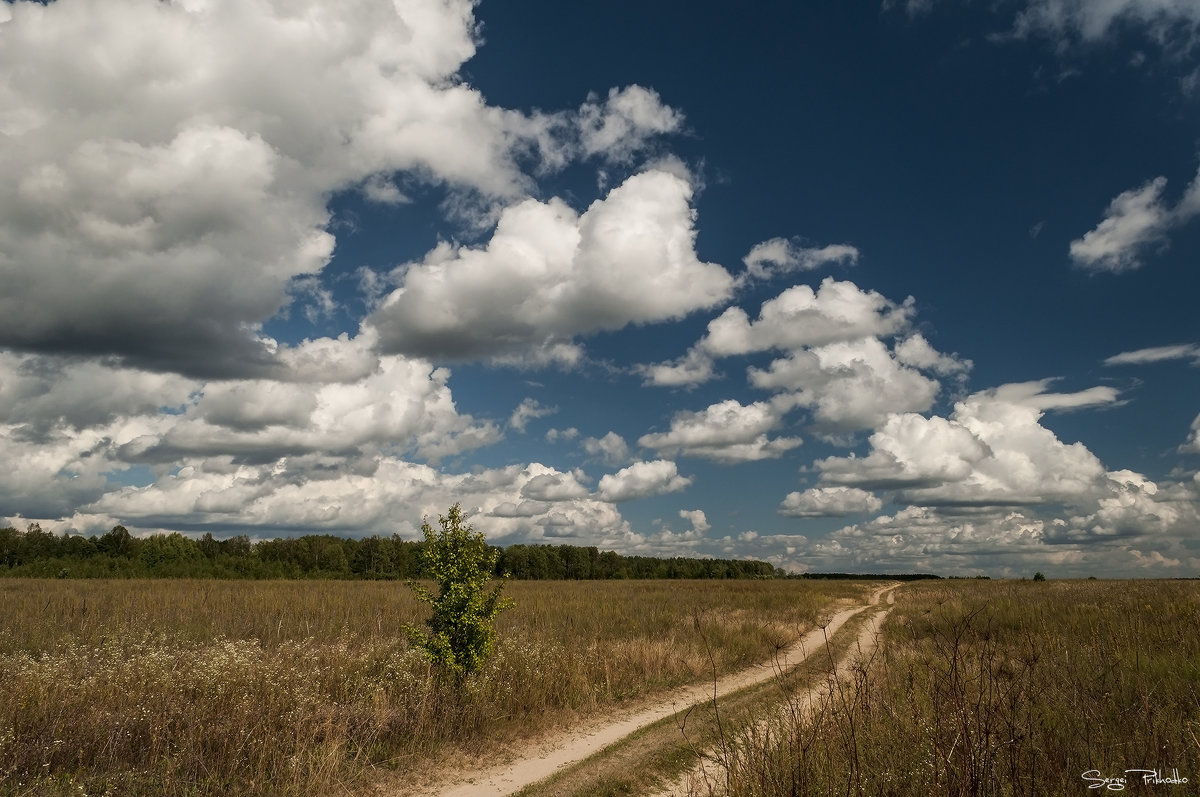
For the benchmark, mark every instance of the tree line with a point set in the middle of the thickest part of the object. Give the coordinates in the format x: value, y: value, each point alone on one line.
x: 36, y: 552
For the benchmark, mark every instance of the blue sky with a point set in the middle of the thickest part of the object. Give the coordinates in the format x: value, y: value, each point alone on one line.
x: 899, y: 286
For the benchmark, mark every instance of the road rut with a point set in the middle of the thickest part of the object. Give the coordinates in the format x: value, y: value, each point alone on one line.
x: 563, y: 750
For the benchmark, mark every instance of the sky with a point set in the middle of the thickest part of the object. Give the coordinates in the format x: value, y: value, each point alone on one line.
x: 899, y: 286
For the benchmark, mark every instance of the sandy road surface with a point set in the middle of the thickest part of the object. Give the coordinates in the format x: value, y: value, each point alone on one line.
x: 543, y: 759
x: 710, y: 772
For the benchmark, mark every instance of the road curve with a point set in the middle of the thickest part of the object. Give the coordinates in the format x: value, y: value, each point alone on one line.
x: 577, y: 744
x: 709, y: 770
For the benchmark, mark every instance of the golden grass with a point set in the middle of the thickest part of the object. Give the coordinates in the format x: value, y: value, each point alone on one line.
x: 206, y: 687
x: 1002, y: 688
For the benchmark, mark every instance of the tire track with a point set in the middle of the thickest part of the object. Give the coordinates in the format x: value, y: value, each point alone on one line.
x: 702, y: 778
x: 577, y: 744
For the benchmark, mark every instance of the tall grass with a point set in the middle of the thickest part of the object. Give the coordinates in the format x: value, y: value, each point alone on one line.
x: 202, y: 687
x: 1016, y: 688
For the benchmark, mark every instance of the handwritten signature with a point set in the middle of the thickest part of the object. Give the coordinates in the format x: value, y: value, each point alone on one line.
x: 1150, y: 777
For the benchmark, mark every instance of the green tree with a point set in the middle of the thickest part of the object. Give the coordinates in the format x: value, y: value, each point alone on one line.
x: 461, y: 633
x: 373, y: 559
x: 10, y: 546
x: 169, y: 554
x: 116, y: 542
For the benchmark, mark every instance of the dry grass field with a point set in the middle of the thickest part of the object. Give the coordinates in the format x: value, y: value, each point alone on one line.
x: 280, y: 687
x: 1001, y: 688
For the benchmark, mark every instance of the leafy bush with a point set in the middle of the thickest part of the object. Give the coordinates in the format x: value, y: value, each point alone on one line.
x: 461, y: 634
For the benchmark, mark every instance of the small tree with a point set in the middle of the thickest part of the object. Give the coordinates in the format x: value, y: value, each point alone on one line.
x: 1039, y: 576
x: 460, y: 635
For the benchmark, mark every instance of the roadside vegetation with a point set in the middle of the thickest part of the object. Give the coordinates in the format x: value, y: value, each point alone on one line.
x: 999, y: 688
x: 198, y: 687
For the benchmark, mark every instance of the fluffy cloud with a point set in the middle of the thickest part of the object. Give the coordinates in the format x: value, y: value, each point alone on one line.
x: 404, y: 405
x: 641, y: 480
x: 916, y: 352
x: 1129, y: 509
x: 165, y: 215
x: 60, y: 421
x: 1135, y: 221
x: 911, y: 451
x: 611, y: 448
x: 697, y: 518
x: 781, y: 255
x: 552, y: 487
x: 554, y: 435
x: 849, y: 386
x: 1129, y: 527
x: 82, y: 428
x: 663, y: 543
x: 992, y: 451
x: 694, y: 368
x: 38, y: 393
x: 56, y: 470
x: 167, y: 166
x: 836, y: 362
x: 725, y: 432
x: 928, y: 540
x: 622, y: 125
x: 526, y: 411
x: 829, y: 502
x: 801, y: 317
x: 548, y: 274
x: 384, y: 495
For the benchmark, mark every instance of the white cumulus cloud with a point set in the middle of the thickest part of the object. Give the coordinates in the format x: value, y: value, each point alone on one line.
x: 992, y: 450
x: 697, y: 518
x: 829, y: 502
x: 526, y: 411
x: 801, y: 317
x: 176, y: 160
x: 725, y: 432
x: 622, y: 124
x: 849, y: 386
x: 611, y: 448
x: 549, y: 274
x: 554, y: 487
x: 641, y: 480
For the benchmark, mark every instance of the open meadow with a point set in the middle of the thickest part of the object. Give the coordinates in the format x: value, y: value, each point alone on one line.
x: 1000, y: 688
x: 173, y: 687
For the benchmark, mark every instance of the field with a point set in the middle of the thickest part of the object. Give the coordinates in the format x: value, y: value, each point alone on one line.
x: 255, y: 687
x: 268, y: 687
x: 1000, y: 688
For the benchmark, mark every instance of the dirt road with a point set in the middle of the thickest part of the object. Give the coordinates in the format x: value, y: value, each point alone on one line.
x: 709, y: 771
x: 545, y: 758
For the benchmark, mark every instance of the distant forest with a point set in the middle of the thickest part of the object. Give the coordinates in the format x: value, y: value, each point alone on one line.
x: 118, y: 554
